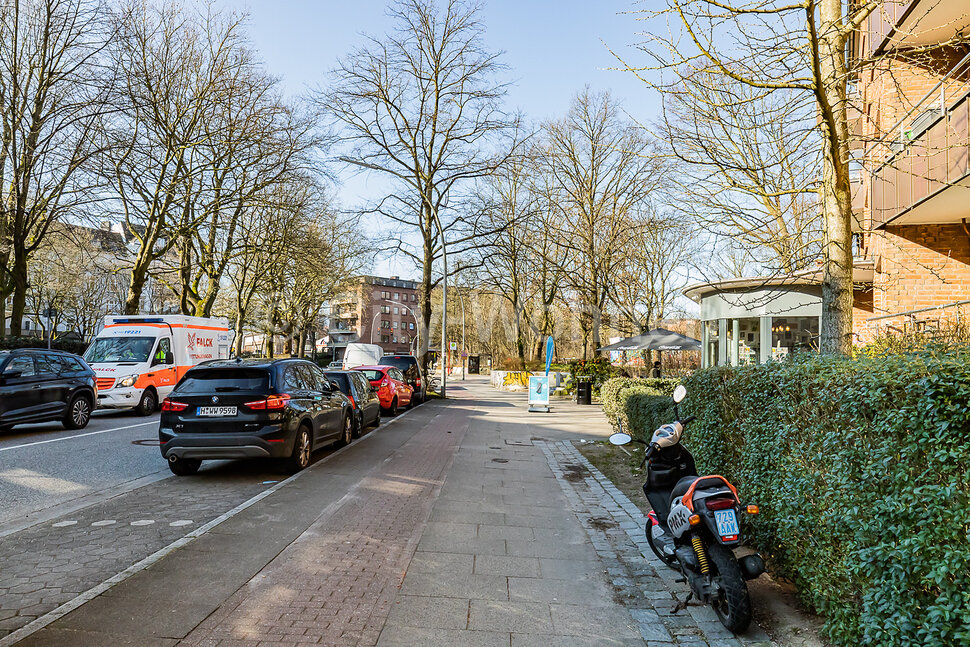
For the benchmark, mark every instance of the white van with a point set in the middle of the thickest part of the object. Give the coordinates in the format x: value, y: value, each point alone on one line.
x: 362, y: 355
x: 138, y: 359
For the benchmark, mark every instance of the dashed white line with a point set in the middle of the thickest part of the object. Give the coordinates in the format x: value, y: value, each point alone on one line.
x: 90, y: 433
x: 104, y: 522
x: 180, y: 523
x: 143, y: 522
x: 63, y: 524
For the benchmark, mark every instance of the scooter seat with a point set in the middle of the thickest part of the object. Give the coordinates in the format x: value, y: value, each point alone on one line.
x: 682, y: 486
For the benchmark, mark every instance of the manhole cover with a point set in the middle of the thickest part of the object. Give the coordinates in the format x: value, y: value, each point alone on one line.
x: 149, y: 442
x: 500, y: 460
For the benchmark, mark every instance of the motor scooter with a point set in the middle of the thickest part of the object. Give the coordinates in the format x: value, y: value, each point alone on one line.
x: 695, y: 523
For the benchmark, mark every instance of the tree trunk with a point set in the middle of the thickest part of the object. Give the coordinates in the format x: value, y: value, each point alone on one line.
x: 836, y: 194
x: 18, y: 278
x: 424, y: 334
x: 136, y: 284
x: 240, y: 318
x: 519, y: 341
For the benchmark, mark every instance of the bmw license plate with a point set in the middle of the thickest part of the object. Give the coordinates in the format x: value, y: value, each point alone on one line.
x: 217, y: 412
x: 727, y: 522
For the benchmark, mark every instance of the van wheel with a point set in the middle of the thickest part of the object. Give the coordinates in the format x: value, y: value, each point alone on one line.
x: 78, y: 413
x: 147, y: 404
x: 184, y: 466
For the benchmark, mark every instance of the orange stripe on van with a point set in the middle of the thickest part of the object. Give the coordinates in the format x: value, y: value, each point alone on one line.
x: 157, y: 325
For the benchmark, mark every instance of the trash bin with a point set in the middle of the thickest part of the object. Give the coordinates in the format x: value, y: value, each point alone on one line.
x: 474, y: 364
x: 584, y: 389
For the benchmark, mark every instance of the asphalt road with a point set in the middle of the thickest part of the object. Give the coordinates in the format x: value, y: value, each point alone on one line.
x: 44, y: 467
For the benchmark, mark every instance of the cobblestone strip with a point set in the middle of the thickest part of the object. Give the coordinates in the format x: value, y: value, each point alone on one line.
x: 335, y: 584
x: 650, y: 590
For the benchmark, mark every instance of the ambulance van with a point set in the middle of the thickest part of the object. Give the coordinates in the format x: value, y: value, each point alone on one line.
x: 138, y: 359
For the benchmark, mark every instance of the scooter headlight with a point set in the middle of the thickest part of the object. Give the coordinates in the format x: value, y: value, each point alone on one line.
x: 127, y: 381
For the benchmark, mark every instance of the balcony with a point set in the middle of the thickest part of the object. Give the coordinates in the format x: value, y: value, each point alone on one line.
x: 924, y: 178
x: 915, y: 23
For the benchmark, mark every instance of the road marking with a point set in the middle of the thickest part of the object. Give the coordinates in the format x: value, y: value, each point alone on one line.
x: 63, y: 524
x: 137, y: 567
x: 90, y: 433
x: 105, y: 522
x: 143, y: 522
x: 181, y: 522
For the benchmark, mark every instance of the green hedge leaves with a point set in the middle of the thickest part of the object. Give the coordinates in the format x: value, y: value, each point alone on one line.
x: 862, y: 471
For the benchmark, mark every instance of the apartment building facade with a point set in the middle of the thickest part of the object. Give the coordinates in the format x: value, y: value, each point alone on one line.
x: 912, y: 155
x: 376, y: 310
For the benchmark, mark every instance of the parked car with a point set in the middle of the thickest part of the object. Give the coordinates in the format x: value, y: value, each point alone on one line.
x: 363, y: 398
x: 336, y: 365
x: 256, y: 408
x: 409, y: 366
x: 393, y: 390
x: 42, y: 385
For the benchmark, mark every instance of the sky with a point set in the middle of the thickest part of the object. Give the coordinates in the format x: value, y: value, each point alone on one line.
x: 554, y: 49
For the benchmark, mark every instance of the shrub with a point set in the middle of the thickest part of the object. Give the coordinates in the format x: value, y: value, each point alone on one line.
x: 862, y: 470
x: 70, y: 345
x: 637, y: 402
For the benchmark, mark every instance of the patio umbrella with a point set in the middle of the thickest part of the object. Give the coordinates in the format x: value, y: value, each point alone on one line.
x: 656, y: 339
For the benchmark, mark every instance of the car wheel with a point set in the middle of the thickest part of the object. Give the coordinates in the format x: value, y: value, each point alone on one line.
x: 147, y: 404
x: 184, y: 466
x: 300, y: 458
x: 392, y: 410
x: 78, y: 413
x: 377, y: 419
x: 358, y: 423
x: 347, y: 435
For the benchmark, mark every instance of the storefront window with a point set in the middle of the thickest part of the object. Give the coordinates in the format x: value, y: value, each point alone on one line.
x: 793, y: 334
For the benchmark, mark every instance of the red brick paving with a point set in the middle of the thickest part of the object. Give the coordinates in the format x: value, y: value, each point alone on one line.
x: 336, y: 583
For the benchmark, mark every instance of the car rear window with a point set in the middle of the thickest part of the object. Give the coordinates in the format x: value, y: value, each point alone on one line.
x: 341, y: 379
x: 401, y: 362
x: 372, y: 374
x: 224, y: 380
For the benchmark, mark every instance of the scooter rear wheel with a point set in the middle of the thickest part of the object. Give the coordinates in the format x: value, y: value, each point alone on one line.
x: 657, y: 548
x: 733, y: 608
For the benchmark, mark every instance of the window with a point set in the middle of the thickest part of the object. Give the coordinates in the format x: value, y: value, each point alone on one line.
x: 47, y: 364
x: 23, y: 364
x: 385, y: 339
x: 297, y: 378
x: 397, y: 296
x: 411, y: 326
x: 70, y: 365
x: 414, y: 297
x: 395, y: 325
x: 394, y: 340
x: 216, y: 380
x: 385, y: 324
x: 320, y: 381
x: 387, y: 309
x: 385, y: 295
x: 395, y: 310
x: 164, y: 348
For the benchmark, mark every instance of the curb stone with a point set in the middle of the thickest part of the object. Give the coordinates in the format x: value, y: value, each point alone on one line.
x: 615, y: 526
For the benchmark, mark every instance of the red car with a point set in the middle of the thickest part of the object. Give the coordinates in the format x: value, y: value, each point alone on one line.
x: 392, y: 389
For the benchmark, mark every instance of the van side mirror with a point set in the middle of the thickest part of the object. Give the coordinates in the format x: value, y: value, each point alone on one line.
x: 169, y: 357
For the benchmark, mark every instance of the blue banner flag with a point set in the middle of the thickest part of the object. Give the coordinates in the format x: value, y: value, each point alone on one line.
x: 548, y: 354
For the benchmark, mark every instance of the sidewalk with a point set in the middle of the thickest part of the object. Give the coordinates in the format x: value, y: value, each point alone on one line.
x: 467, y: 522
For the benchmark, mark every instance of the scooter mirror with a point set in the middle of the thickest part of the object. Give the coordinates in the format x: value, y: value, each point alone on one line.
x: 620, y: 438
x: 680, y: 393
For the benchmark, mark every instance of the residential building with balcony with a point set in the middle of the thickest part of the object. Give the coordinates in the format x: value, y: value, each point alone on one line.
x: 912, y: 156
x: 375, y: 310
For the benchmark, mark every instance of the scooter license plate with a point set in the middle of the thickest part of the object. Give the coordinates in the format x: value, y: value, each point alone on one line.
x: 727, y: 522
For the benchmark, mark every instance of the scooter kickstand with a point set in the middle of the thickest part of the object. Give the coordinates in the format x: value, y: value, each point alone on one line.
x: 680, y: 606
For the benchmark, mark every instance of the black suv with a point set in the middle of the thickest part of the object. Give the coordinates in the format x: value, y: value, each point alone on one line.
x: 408, y: 364
x: 363, y: 397
x: 41, y: 385
x: 253, y: 408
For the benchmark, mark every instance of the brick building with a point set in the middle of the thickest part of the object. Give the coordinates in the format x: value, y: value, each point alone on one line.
x: 375, y: 310
x: 909, y: 109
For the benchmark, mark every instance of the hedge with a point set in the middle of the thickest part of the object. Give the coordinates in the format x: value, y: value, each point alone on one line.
x: 862, y: 471
x: 638, y: 402
x: 70, y: 345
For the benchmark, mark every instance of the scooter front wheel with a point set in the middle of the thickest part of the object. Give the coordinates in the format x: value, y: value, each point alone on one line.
x: 733, y: 606
x: 657, y: 543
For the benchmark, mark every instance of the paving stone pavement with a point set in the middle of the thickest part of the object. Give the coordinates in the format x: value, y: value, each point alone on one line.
x: 615, y: 526
x: 335, y: 584
x: 51, y: 563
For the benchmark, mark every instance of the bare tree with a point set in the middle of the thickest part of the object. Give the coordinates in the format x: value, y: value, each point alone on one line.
x: 603, y: 171
x: 796, y: 48
x: 52, y: 92
x: 423, y: 107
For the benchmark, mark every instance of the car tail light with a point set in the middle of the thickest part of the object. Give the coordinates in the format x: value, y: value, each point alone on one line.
x: 168, y: 404
x: 270, y: 403
x: 417, y: 382
x: 719, y: 504
x: 351, y: 398
x: 385, y: 382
